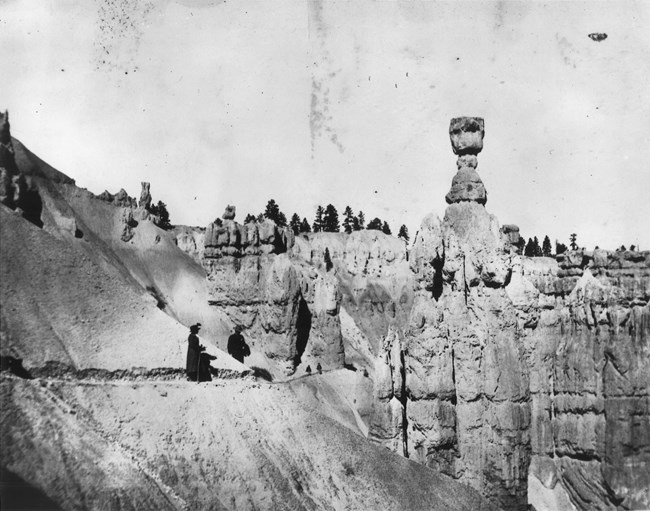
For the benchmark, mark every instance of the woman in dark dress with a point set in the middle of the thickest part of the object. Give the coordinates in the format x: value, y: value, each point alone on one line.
x: 194, y: 350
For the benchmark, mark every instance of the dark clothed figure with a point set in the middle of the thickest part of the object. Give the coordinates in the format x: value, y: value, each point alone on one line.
x: 194, y: 350
x: 237, y: 347
x: 205, y: 370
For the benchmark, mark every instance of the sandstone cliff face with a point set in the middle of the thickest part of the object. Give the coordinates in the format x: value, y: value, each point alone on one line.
x: 289, y: 310
x: 454, y: 392
x: 587, y: 349
x: 466, y: 410
x: 280, y: 289
x: 508, y: 359
x: 251, y: 278
x: 375, y: 284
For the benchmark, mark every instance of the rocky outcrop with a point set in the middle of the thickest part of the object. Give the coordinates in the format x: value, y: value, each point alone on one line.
x: 128, y: 224
x: 464, y: 406
x: 121, y: 198
x: 17, y: 191
x: 466, y: 135
x: 374, y: 278
x: 145, y: 196
x: 10, y: 183
x: 319, y: 338
x: 511, y: 233
x: 587, y: 349
x: 251, y: 277
x: 466, y: 184
x: 509, y: 359
x: 389, y: 397
x: 467, y: 411
x: 190, y: 240
x: 229, y: 213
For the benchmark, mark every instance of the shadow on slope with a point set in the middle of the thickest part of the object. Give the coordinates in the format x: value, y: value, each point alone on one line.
x: 235, y: 445
x: 17, y: 494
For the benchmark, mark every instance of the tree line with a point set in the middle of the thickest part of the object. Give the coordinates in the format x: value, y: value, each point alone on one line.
x: 326, y: 220
x: 533, y: 249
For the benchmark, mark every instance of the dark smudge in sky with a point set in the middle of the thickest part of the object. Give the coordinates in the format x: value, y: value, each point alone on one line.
x: 319, y: 115
x: 120, y: 25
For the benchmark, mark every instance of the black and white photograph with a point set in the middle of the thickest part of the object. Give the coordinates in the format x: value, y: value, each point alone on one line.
x: 347, y: 255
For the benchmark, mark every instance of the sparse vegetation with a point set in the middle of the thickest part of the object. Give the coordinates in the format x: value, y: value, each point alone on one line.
x: 546, y: 247
x: 403, y: 233
x: 331, y: 219
x: 374, y: 224
x: 273, y: 213
x: 160, y: 211
x: 295, y: 224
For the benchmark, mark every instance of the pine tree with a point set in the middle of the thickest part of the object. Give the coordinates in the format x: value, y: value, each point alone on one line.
x: 385, y: 228
x: 374, y: 224
x: 572, y: 239
x: 560, y: 248
x: 403, y: 233
x: 318, y: 222
x: 160, y: 210
x: 536, y: 247
x: 273, y: 213
x: 295, y: 223
x: 520, y: 245
x: 546, y: 247
x: 362, y: 220
x: 260, y: 218
x: 331, y: 219
x: 304, y: 226
x: 348, y: 223
x: 328, y: 260
x: 355, y: 224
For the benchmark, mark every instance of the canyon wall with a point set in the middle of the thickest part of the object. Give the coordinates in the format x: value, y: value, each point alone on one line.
x: 588, y: 353
x: 509, y: 362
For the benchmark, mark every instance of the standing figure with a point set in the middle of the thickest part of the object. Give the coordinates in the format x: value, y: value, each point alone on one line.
x: 237, y: 347
x: 194, y: 350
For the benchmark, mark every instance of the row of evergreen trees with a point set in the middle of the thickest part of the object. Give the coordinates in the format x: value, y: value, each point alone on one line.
x: 533, y: 249
x: 326, y: 220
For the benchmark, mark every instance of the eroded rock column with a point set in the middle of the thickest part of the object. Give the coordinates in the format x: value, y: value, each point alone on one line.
x: 468, y: 411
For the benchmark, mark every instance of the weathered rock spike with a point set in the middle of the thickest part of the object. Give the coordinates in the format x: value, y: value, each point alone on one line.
x: 466, y: 135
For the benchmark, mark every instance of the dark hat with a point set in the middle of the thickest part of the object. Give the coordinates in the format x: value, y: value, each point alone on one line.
x: 195, y: 327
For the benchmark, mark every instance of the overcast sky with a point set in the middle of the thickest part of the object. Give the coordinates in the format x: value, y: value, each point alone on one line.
x: 347, y: 103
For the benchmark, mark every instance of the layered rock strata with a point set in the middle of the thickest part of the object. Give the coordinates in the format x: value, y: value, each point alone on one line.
x: 510, y: 359
x: 464, y: 407
x: 375, y: 283
x: 290, y: 312
x: 588, y: 326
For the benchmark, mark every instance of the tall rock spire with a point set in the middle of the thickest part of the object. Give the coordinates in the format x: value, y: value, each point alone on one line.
x: 466, y: 134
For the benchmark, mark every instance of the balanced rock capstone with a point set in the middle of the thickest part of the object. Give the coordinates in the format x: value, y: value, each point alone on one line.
x: 466, y: 135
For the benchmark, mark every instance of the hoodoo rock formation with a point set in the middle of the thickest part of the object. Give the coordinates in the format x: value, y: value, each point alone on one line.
x: 524, y: 378
x: 466, y: 134
x: 509, y: 359
x: 466, y: 406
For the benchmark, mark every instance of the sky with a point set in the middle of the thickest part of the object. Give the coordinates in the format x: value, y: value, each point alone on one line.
x: 348, y: 103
